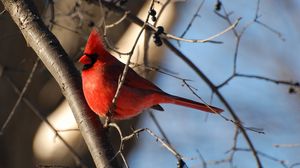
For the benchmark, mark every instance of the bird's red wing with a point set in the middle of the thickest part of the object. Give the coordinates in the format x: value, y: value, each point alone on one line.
x: 135, y: 80
x: 132, y: 79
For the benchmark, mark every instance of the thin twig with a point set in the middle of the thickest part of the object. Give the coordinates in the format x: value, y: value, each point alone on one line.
x: 204, y: 164
x: 52, y: 14
x: 164, y: 6
x: 138, y: 131
x: 231, y: 152
x: 290, y: 83
x: 160, y: 70
x: 226, y: 81
x: 68, y: 130
x: 51, y: 166
x: 67, y: 28
x: 118, y: 21
x: 76, y: 156
x: 286, y: 145
x: 193, y: 19
x: 294, y: 165
x: 238, y: 36
x: 234, y: 149
x: 265, y: 25
x: 27, y: 83
x: 270, y: 29
x: 237, y: 123
x: 282, y: 162
x: 209, y: 39
x: 154, y: 119
x: 257, y: 9
x: 3, y: 11
x: 267, y: 79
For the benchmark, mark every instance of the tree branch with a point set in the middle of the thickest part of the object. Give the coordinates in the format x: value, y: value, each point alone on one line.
x: 47, y: 47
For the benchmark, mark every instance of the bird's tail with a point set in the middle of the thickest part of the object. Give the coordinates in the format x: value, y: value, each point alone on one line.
x: 192, y: 104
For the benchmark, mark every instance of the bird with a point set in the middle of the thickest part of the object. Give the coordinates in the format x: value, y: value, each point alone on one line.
x: 100, y: 78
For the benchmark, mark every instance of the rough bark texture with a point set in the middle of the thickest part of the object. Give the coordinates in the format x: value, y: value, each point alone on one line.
x: 47, y: 47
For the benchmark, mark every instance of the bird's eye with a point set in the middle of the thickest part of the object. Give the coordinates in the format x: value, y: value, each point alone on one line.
x: 88, y: 60
x: 93, y: 57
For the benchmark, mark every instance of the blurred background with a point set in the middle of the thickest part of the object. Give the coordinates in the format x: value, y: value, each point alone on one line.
x: 264, y: 45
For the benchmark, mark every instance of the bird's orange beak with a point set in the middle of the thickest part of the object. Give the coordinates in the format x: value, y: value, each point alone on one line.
x: 85, y: 60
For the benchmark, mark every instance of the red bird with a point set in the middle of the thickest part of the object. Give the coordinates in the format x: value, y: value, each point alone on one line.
x: 100, y: 76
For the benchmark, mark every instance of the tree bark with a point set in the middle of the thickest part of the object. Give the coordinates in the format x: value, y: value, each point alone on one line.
x: 49, y: 50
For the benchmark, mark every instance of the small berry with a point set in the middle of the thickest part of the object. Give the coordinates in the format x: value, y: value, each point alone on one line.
x: 153, y: 18
x: 160, y: 30
x: 158, y: 43
x: 152, y: 12
x: 157, y: 40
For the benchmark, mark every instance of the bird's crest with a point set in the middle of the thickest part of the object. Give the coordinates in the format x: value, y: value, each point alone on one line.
x: 95, y: 44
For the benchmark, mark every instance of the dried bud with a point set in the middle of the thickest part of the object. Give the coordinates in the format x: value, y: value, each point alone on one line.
x: 218, y: 5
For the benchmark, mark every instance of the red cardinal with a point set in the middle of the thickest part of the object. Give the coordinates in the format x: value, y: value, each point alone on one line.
x: 100, y: 76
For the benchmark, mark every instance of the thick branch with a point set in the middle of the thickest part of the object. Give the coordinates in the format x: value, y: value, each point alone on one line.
x: 47, y: 47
